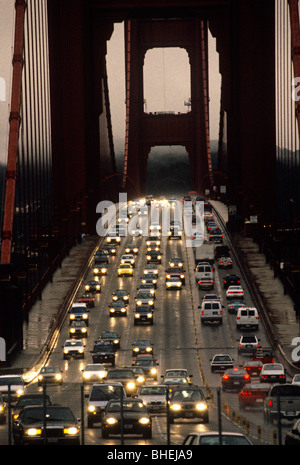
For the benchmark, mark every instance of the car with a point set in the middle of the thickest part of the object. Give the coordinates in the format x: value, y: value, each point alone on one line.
x: 129, y: 259
x: 2, y: 410
x: 110, y: 249
x: 178, y: 372
x: 120, y: 294
x: 87, y: 299
x: 247, y: 343
x: 100, y: 394
x: 16, y: 384
x: 213, y: 438
x: 140, y: 377
x: 173, y: 281
x: 93, y: 286
x: 29, y: 399
x: 247, y: 318
x: 234, y: 378
x: 205, y: 283
x: 144, y: 298
x: 272, y: 373
x: 148, y: 363
x: 224, y: 262
x: 289, y: 395
x: 78, y: 329
x: 153, y: 241
x: 103, y: 352
x: 221, y: 362
x: 234, y: 305
x: 215, y: 235
x: 112, y: 337
x: 235, y: 292
x: 125, y: 269
x: 296, y: 379
x: 188, y: 402
x: 292, y: 437
x: 101, y: 257
x: 172, y: 382
x: 73, y: 349
x: 136, y: 419
x: 176, y: 262
x: 132, y: 249
x: 100, y: 270
x: 154, y: 256
x: 79, y: 312
x: 253, y: 395
x: 142, y: 346
x: 50, y: 374
x: 125, y: 376
x: 221, y: 251
x: 175, y: 231
x: 143, y: 314
x: 149, y: 287
x: 61, y: 426
x: 204, y: 270
x: 113, y: 237
x: 93, y: 372
x: 149, y: 278
x: 210, y: 297
x: 211, y: 312
x: 231, y: 280
x: 154, y: 396
x: 253, y: 367
x: 150, y: 269
x: 118, y: 308
x: 176, y: 271
x: 155, y: 227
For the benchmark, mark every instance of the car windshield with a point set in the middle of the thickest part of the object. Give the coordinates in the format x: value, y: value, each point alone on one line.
x: 222, y: 358
x: 176, y: 373
x: 34, y: 400
x: 120, y: 374
x: 5, y: 381
x: 103, y: 348
x: 213, y: 440
x: 188, y: 395
x: 95, y: 367
x: 105, y: 392
x: 49, y: 370
x: 272, y: 367
x: 145, y: 363
x: 74, y: 344
x: 171, y: 380
x: 286, y: 390
x: 128, y: 406
x: 36, y: 414
x: 153, y: 391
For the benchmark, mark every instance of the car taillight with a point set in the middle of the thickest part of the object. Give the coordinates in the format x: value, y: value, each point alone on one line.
x: 257, y: 317
x: 270, y: 403
x: 246, y: 376
x: 238, y: 317
x: 225, y: 377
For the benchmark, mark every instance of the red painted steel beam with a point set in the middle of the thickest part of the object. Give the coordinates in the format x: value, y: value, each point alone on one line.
x: 295, y: 37
x: 14, y: 126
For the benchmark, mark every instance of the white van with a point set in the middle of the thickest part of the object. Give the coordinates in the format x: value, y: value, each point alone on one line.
x: 247, y: 317
x: 211, y: 312
x: 204, y: 270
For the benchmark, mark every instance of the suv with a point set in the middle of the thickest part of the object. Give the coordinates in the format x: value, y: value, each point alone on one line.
x: 289, y: 396
x: 247, y: 318
x: 204, y: 271
x: 247, y: 343
x: 103, y: 352
x: 79, y: 312
x: 99, y: 395
x: 221, y: 251
x: 211, y: 312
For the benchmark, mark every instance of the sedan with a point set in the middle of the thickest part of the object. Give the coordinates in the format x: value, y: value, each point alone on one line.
x: 173, y: 382
x: 149, y: 287
x: 212, y: 438
x: 78, y: 329
x: 188, y: 402
x: 132, y: 248
x: 176, y: 262
x: 253, y: 395
x: 154, y: 256
x: 144, y: 298
x: 221, y: 362
x: 235, y: 292
x: 100, y: 270
x: 50, y: 374
x: 92, y: 286
x: 120, y: 294
x: 253, y: 367
x: 128, y: 258
x: 136, y: 419
x: 142, y: 346
x: 173, y: 282
x: 125, y: 269
x: 61, y: 426
x: 272, y: 373
x: 231, y: 280
x: 87, y: 299
x: 112, y: 337
x: 225, y: 262
x: 93, y: 372
x: 154, y: 397
x: 178, y: 372
x: 150, y: 269
x: 234, y: 306
x: 117, y: 309
x: 177, y: 271
x: 149, y: 278
x: 143, y: 314
x: 235, y: 378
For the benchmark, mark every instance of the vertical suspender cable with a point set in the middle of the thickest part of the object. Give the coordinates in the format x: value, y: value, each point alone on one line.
x: 10, y: 184
x: 127, y: 67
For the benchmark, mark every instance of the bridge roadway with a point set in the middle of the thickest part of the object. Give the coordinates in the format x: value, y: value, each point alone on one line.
x: 178, y: 337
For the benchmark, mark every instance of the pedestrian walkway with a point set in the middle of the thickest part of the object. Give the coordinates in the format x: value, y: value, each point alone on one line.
x: 280, y: 307
x: 45, y: 313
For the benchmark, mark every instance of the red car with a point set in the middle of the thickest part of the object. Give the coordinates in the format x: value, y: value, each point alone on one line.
x: 253, y: 394
x: 87, y: 299
x: 253, y: 367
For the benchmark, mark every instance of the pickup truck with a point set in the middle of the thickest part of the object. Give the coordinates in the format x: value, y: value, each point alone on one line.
x: 289, y: 400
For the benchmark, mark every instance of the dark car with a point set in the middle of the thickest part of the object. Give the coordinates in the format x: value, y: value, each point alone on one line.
x: 103, y: 352
x: 120, y: 294
x: 78, y: 329
x: 142, y: 346
x: 235, y: 378
x: 2, y: 410
x: 100, y: 257
x: 29, y: 399
x: 154, y: 256
x: 221, y: 251
x: 136, y: 419
x: 143, y: 314
x: 188, y: 402
x: 125, y: 376
x: 148, y: 363
x: 93, y: 286
x: 112, y: 337
x: 231, y: 280
x: 293, y: 436
x: 150, y: 278
x: 61, y: 426
x: 118, y: 308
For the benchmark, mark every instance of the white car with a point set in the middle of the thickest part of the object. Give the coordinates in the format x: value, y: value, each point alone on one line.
x: 247, y: 317
x: 128, y: 258
x: 272, y: 373
x: 154, y: 397
x: 173, y: 282
x: 73, y: 348
x: 234, y: 292
x: 248, y: 343
x: 93, y: 372
x: 296, y: 379
x: 150, y: 269
x: 16, y: 383
x: 221, y: 362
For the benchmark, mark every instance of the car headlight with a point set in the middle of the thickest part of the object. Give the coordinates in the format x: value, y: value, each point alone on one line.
x: 135, y: 250
x: 96, y: 270
x: 58, y: 377
x: 72, y: 317
x: 72, y: 330
x: 98, y: 287
x: 84, y: 316
x: 87, y: 287
x: 149, y: 315
x: 153, y: 371
x: 111, y: 421
x: 123, y: 310
x: 159, y: 257
x: 175, y: 406
x: 141, y: 379
x: 83, y: 330
x: 20, y: 392
x: 136, y: 349
x: 116, y: 341
x: 118, y: 239
x: 72, y: 431
x: 148, y: 349
x: 40, y: 377
x: 150, y: 302
x: 80, y: 351
x: 139, y: 302
x: 201, y: 406
x: 148, y: 257
x: 91, y: 408
x: 144, y: 421
x: 182, y: 276
x: 33, y: 432
x: 131, y: 385
x: 125, y: 297
x: 112, y: 310
x: 115, y: 297
x: 86, y: 375
x: 108, y: 239
x: 137, y: 315
x: 1, y: 408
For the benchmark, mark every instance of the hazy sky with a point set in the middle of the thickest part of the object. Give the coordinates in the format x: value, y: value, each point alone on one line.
x: 166, y: 83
